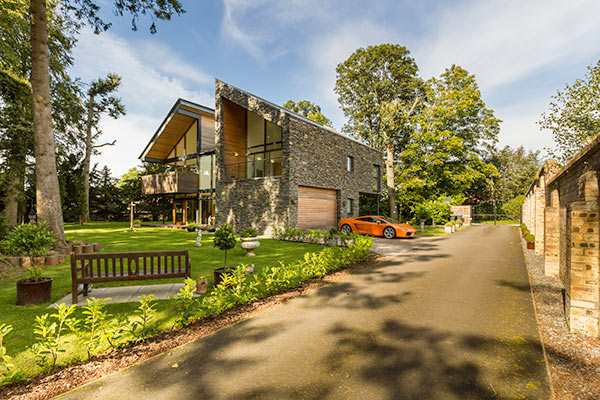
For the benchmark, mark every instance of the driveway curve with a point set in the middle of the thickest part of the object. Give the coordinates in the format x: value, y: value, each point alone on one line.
x: 449, y: 319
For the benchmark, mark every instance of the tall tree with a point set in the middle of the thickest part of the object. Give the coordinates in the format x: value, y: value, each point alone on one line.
x: 47, y: 192
x: 573, y: 117
x: 99, y: 101
x: 374, y: 83
x: 454, y: 136
x: 309, y: 110
x: 16, y: 133
x: 516, y: 170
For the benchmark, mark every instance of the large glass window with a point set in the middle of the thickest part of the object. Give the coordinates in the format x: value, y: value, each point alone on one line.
x: 350, y: 164
x: 263, y: 155
x: 207, y: 172
x: 376, y: 178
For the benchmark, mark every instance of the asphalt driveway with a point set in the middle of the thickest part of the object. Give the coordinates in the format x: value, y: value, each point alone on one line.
x: 449, y: 319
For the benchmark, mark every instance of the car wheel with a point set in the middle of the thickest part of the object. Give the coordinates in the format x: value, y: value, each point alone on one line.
x: 389, y: 233
x: 347, y: 229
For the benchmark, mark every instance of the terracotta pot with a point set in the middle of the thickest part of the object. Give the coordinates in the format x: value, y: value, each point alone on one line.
x: 39, y: 261
x: 25, y: 262
x: 97, y: 246
x: 62, y: 258
x: 34, y: 292
x: 52, y: 259
x: 77, y: 249
x: 201, y: 286
x: 88, y: 248
x: 531, y: 246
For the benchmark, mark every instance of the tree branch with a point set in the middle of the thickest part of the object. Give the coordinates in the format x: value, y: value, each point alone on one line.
x: 105, y: 144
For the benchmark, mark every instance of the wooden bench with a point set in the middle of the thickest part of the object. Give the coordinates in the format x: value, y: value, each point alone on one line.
x: 114, y: 267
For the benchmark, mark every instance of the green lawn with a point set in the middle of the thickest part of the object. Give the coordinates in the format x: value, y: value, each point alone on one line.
x: 437, y: 230
x: 115, y: 238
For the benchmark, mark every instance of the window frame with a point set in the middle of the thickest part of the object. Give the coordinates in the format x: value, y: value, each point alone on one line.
x: 377, y: 183
x: 349, y: 163
x: 349, y: 206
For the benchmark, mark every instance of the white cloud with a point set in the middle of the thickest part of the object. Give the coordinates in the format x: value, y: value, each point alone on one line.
x: 154, y: 77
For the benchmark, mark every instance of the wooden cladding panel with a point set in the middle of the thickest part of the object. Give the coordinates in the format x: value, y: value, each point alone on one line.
x: 317, y: 208
x: 170, y: 135
x: 234, y: 138
x: 170, y: 183
x: 208, y: 132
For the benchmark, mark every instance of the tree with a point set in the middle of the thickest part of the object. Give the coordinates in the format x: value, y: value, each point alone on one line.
x: 16, y: 131
x: 516, y: 170
x: 309, y: 110
x: 454, y: 136
x: 378, y: 88
x: 47, y: 188
x: 106, y: 199
x: 99, y: 101
x: 573, y: 117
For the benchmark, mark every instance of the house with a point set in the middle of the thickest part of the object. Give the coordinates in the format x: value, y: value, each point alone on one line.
x: 268, y: 166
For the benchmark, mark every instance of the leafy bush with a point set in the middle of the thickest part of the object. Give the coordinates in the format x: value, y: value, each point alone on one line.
x: 137, y: 222
x: 185, y: 303
x: 96, y: 330
x: 6, y: 248
x: 50, y: 333
x: 4, y: 227
x: 512, y: 208
x: 225, y: 240
x: 530, y: 238
x: 145, y: 323
x: 459, y: 221
x: 250, y: 232
x: 192, y: 225
x: 33, y: 240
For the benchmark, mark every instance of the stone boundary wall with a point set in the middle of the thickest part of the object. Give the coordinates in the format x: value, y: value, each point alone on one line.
x: 562, y: 207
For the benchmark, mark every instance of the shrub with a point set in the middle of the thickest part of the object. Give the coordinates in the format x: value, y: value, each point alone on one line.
x: 144, y: 325
x: 96, y: 330
x: 512, y: 208
x: 530, y: 238
x: 250, y: 232
x: 6, y: 248
x: 459, y: 221
x: 185, y: 303
x: 225, y: 239
x: 137, y: 222
x: 33, y: 240
x: 49, y: 333
x: 192, y: 225
x: 4, y: 227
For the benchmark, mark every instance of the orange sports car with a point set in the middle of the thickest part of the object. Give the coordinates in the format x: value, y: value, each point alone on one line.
x: 377, y: 226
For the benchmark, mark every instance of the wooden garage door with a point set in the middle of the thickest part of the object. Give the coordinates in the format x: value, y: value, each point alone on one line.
x: 317, y: 208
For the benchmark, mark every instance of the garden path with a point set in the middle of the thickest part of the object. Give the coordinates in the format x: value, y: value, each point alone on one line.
x: 125, y: 294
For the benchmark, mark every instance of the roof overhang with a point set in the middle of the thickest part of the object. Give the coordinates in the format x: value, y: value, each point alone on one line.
x: 179, y: 119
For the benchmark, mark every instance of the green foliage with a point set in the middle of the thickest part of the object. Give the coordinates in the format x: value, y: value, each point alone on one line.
x: 186, y: 304
x: 250, y: 232
x: 33, y: 240
x: 530, y: 238
x: 137, y: 222
x: 512, y: 208
x: 144, y: 323
x: 309, y: 110
x: 96, y: 329
x: 524, y: 230
x: 573, y: 117
x: 34, y: 273
x: 454, y: 133
x: 4, y: 227
x: 49, y: 330
x: 239, y: 287
x: 7, y: 368
x: 225, y: 239
x: 517, y: 168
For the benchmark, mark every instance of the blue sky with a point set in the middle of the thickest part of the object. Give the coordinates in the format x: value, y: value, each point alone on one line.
x: 521, y: 53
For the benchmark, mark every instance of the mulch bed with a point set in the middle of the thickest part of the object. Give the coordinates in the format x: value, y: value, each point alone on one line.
x: 573, y: 359
x: 70, y: 377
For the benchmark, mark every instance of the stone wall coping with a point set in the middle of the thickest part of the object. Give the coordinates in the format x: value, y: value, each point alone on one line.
x: 296, y: 115
x: 579, y: 157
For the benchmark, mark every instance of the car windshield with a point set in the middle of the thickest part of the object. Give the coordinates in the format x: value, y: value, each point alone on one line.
x: 389, y: 220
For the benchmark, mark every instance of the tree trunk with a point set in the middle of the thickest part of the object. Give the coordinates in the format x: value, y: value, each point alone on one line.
x: 47, y: 189
x: 389, y: 170
x: 86, y: 161
x: 13, y: 189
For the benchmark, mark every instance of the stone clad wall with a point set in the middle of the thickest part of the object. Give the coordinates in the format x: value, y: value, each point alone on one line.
x: 312, y: 156
x: 569, y: 222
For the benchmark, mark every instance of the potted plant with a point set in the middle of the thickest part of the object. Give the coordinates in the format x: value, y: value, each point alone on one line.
x: 224, y: 240
x: 201, y: 285
x: 87, y: 248
x: 35, y: 289
x: 97, y: 246
x: 249, y: 241
x: 530, y: 241
x: 191, y: 227
x: 34, y: 240
x: 137, y: 223
x: 449, y: 227
x: 53, y: 258
x: 77, y: 246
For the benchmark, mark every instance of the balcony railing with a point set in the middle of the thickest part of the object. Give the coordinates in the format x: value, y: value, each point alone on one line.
x: 254, y: 169
x: 170, y: 183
